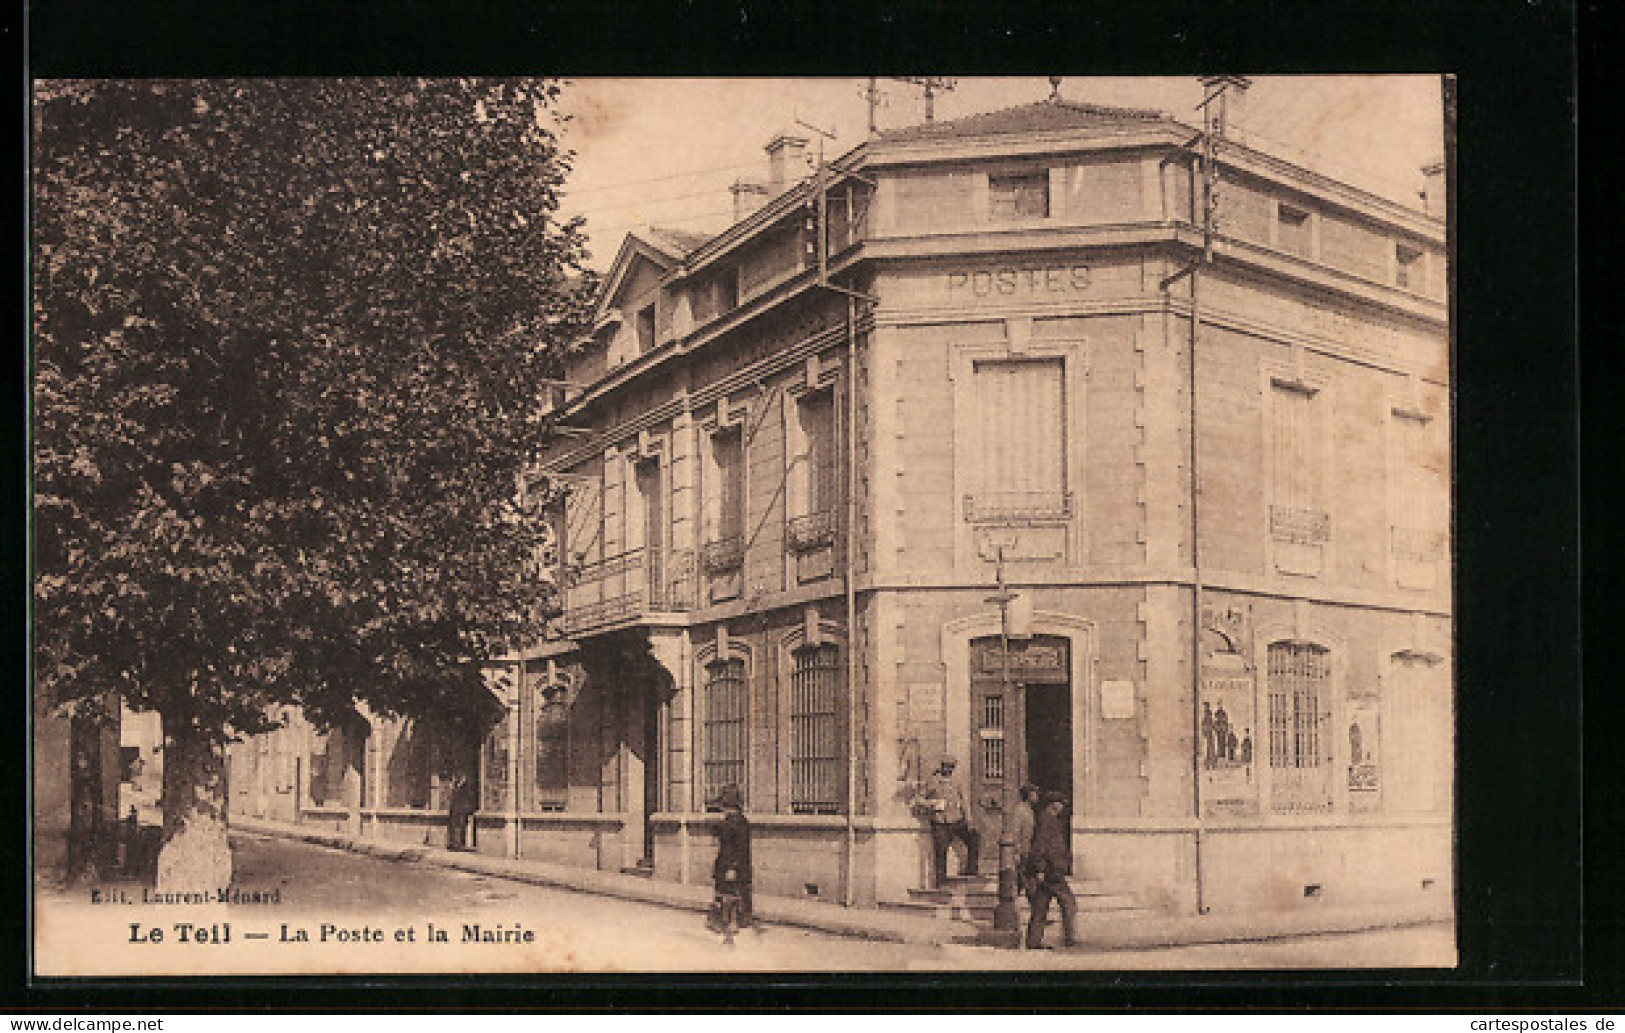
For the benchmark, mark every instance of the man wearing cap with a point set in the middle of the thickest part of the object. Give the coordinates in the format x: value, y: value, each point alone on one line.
x: 1051, y: 863
x: 950, y: 820
x: 732, y: 871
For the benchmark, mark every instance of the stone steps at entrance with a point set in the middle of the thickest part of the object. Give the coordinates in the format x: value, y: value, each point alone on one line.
x: 972, y: 898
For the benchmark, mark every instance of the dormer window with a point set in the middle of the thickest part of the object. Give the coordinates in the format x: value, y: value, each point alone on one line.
x: 646, y: 328
x: 1022, y: 195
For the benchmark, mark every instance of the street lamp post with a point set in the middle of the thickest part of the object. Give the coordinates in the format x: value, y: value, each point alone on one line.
x: 1004, y: 914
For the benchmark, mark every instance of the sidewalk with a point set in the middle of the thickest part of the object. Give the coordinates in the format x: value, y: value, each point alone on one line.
x: 1100, y: 930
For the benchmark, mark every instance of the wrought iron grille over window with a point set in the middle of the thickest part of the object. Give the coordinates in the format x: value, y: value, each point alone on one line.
x: 552, y: 748
x: 1298, y: 674
x: 992, y: 737
x: 726, y: 735
x: 814, y: 741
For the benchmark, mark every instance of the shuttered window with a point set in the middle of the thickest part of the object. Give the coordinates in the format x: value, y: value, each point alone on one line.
x: 815, y: 749
x: 728, y: 461
x: 1018, y: 441
x: 1293, y: 474
x: 823, y: 476
x: 1022, y: 196
x: 726, y: 736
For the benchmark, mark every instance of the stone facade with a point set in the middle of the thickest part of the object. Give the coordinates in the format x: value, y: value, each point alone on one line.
x: 792, y: 498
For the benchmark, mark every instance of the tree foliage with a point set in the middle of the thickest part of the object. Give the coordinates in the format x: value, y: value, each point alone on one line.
x: 289, y: 339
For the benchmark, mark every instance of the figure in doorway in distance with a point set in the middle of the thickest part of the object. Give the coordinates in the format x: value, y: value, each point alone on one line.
x: 1051, y: 863
x: 731, y: 874
x: 459, y: 812
x: 945, y: 806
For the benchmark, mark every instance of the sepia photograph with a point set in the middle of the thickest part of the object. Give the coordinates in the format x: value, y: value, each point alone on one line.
x: 877, y: 524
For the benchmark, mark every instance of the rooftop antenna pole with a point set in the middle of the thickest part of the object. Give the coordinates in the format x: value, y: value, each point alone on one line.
x: 872, y: 95
x: 931, y: 83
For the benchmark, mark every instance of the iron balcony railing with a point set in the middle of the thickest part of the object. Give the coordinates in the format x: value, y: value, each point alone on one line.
x: 989, y: 507
x: 625, y: 587
x: 724, y: 554
x: 1302, y: 526
x: 811, y: 531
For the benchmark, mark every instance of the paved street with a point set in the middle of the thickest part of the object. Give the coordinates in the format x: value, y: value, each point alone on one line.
x: 342, y: 912
x: 602, y: 932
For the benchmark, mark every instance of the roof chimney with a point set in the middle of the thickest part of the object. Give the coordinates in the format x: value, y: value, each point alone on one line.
x: 786, y: 158
x: 1432, y: 193
x: 749, y: 195
x: 1229, y: 109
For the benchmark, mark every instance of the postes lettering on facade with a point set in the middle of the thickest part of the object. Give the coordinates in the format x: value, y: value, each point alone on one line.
x: 1048, y: 280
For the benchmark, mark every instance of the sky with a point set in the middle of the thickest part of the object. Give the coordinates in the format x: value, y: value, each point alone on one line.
x: 665, y: 151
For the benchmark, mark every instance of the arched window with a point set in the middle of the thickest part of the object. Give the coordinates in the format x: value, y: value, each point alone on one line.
x: 726, y: 736
x: 815, y: 747
x: 1299, y: 676
x: 552, y: 746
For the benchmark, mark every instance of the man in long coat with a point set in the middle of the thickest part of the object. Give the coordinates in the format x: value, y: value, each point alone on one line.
x: 1051, y: 863
x: 732, y: 872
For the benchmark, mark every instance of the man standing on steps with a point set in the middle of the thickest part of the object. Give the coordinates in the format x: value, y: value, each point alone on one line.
x: 1051, y: 863
x: 950, y: 820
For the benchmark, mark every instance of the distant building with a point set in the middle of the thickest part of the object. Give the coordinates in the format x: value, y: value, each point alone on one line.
x: 1231, y: 631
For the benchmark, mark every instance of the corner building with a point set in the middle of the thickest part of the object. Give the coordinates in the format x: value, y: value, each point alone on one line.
x: 796, y: 474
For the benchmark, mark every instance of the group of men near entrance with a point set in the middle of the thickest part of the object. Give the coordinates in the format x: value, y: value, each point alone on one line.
x: 1038, y: 829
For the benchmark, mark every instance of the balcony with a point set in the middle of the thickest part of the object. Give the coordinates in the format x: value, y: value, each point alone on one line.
x: 810, y: 531
x: 1300, y: 526
x: 626, y: 587
x: 724, y: 555
x: 1018, y: 507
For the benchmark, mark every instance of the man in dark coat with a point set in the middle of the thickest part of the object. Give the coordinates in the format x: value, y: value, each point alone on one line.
x: 1050, y: 863
x: 732, y: 873
x: 459, y: 809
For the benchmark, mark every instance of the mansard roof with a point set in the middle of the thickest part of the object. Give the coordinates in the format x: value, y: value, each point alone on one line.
x: 1050, y: 115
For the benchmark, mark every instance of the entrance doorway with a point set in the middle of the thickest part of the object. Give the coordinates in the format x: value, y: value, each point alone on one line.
x: 1021, y: 724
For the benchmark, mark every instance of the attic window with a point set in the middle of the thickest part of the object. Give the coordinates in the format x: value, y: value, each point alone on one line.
x: 1292, y: 229
x: 646, y: 328
x: 1019, y: 196
x: 1407, y: 267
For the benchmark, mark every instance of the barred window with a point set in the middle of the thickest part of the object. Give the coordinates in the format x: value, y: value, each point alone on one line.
x: 1298, y: 673
x: 726, y: 735
x: 552, y: 748
x: 992, y: 737
x: 815, y: 751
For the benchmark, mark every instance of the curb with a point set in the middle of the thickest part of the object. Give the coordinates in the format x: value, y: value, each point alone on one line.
x: 1153, y: 934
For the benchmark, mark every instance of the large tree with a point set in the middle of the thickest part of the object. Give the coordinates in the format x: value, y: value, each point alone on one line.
x: 288, y: 344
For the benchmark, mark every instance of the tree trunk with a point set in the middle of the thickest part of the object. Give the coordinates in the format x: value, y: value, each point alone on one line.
x: 196, y: 855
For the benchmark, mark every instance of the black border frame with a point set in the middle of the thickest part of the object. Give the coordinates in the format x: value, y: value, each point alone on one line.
x: 1524, y: 944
